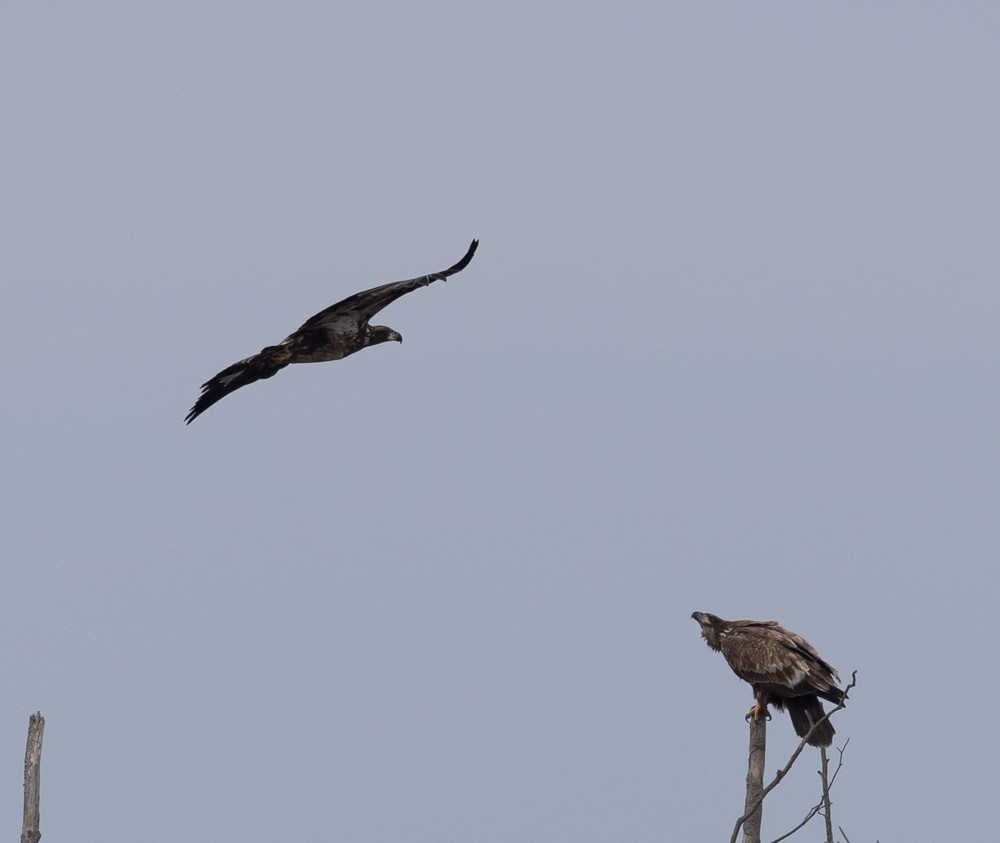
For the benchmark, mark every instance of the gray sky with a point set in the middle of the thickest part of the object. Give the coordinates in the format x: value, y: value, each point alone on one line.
x: 729, y: 344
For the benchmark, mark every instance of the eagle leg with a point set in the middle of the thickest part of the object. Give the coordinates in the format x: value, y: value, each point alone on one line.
x: 758, y: 710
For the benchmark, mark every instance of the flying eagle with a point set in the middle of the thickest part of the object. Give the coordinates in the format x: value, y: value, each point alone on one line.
x: 331, y: 334
x: 782, y: 667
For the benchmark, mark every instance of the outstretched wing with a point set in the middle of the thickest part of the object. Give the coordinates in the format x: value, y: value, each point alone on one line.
x: 263, y: 365
x: 356, y: 310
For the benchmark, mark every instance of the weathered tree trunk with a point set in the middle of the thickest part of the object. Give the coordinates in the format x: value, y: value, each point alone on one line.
x: 32, y: 762
x: 755, y: 780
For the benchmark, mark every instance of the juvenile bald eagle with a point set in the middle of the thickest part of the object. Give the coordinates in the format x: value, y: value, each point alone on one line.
x: 782, y: 667
x: 331, y: 334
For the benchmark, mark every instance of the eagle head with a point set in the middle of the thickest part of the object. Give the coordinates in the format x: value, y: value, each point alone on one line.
x: 380, y: 333
x: 711, y: 628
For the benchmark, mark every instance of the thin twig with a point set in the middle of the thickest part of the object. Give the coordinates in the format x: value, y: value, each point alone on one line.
x: 815, y: 809
x: 812, y: 813
x: 827, y: 816
x: 848, y: 839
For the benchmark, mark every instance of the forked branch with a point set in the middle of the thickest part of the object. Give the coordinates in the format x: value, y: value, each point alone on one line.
x: 794, y: 757
x: 824, y: 803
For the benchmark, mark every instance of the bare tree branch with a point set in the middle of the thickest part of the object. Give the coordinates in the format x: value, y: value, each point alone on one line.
x: 824, y: 799
x: 812, y: 813
x: 848, y: 839
x: 824, y: 770
x: 794, y: 757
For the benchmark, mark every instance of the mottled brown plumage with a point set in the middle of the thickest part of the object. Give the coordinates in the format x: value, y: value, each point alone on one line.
x: 331, y: 334
x: 782, y: 667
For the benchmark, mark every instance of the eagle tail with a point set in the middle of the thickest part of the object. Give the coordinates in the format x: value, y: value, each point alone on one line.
x: 834, y: 695
x: 805, y: 711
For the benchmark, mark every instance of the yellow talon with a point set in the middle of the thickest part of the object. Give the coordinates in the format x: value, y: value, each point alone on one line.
x: 757, y: 711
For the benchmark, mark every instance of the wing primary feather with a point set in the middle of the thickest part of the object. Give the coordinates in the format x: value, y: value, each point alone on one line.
x: 266, y: 364
x: 464, y: 262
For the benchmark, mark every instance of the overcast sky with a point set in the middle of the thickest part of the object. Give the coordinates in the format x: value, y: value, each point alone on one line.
x: 729, y: 344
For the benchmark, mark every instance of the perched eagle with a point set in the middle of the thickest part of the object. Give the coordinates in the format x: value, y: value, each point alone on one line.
x: 331, y: 334
x: 783, y: 668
